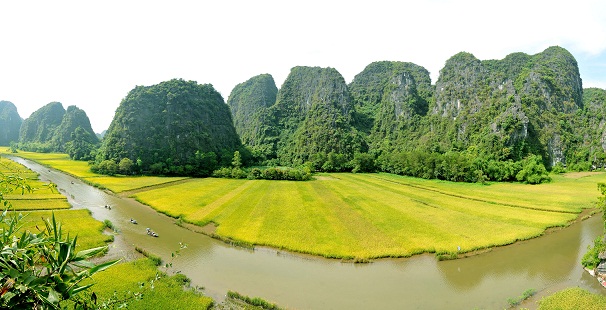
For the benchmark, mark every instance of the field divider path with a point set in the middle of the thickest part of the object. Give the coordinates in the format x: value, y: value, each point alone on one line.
x: 467, y: 197
x: 132, y: 192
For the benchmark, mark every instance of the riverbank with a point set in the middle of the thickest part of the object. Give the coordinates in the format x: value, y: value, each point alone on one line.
x: 358, y: 217
x: 484, y: 281
x: 121, y: 284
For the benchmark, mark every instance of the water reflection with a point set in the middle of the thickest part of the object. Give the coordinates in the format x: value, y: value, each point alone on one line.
x: 484, y: 281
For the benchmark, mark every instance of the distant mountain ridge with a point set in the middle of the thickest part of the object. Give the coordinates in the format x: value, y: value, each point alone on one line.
x: 482, y: 119
x: 498, y: 109
x: 54, y: 129
x: 10, y: 123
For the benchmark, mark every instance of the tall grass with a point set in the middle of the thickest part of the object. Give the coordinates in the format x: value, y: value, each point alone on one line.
x: 159, y: 290
x: 255, y: 301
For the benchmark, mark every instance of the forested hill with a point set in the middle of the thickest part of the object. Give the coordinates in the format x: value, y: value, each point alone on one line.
x: 52, y: 128
x: 480, y: 111
x: 75, y: 125
x: 40, y: 126
x: 391, y: 98
x: 508, y: 108
x: 10, y: 123
x: 311, y: 118
x: 175, y: 127
x: 249, y: 103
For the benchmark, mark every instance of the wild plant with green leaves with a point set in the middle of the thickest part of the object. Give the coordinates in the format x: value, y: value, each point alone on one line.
x: 41, y: 270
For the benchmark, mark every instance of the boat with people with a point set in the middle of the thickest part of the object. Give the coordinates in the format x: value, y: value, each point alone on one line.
x: 151, y: 232
x: 133, y: 221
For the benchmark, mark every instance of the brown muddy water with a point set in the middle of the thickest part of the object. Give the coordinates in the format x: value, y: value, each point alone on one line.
x: 546, y: 264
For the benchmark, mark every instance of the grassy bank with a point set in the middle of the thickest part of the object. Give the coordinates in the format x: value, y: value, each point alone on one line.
x: 40, y: 200
x: 573, y: 299
x: 159, y: 291
x: 119, y: 282
x: 81, y: 169
x: 360, y: 215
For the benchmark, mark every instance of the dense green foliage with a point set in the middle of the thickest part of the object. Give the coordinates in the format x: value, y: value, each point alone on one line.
x: 249, y: 103
x: 591, y: 257
x: 10, y: 123
x: 75, y: 135
x: 42, y: 269
x: 390, y: 99
x: 482, y: 120
x: 314, y: 116
x: 175, y: 127
x: 38, y: 129
x: 53, y: 129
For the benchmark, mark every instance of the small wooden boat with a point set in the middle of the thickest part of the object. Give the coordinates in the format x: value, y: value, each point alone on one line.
x: 151, y: 232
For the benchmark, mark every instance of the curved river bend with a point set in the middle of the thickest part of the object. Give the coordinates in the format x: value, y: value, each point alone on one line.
x: 486, y: 281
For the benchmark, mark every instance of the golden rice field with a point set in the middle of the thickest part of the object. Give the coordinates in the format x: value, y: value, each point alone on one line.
x: 59, y: 161
x: 39, y: 197
x: 573, y: 299
x: 376, y: 215
x: 81, y: 169
x: 41, y: 201
x: 75, y: 222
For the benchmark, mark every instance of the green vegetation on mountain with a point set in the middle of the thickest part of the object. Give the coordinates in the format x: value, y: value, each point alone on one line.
x: 310, y: 120
x: 391, y: 99
x: 175, y: 127
x: 75, y: 135
x: 54, y: 129
x: 249, y: 103
x: 10, y: 123
x: 40, y: 126
x: 483, y: 120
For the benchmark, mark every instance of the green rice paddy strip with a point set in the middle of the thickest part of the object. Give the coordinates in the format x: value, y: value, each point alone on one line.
x: 39, y: 204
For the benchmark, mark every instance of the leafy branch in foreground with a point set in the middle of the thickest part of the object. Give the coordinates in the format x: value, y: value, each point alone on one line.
x: 39, y: 271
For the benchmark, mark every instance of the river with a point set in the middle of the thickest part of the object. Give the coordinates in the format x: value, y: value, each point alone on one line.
x: 546, y: 264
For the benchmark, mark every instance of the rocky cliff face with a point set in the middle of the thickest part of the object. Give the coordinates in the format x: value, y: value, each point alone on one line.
x: 390, y: 97
x: 495, y: 109
x: 10, y: 123
x: 515, y: 102
x: 166, y: 124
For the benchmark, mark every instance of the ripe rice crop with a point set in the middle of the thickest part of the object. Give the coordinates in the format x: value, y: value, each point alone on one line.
x: 375, y: 215
x: 573, y: 299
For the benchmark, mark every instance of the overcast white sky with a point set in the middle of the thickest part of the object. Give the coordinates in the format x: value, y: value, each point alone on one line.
x: 91, y: 54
